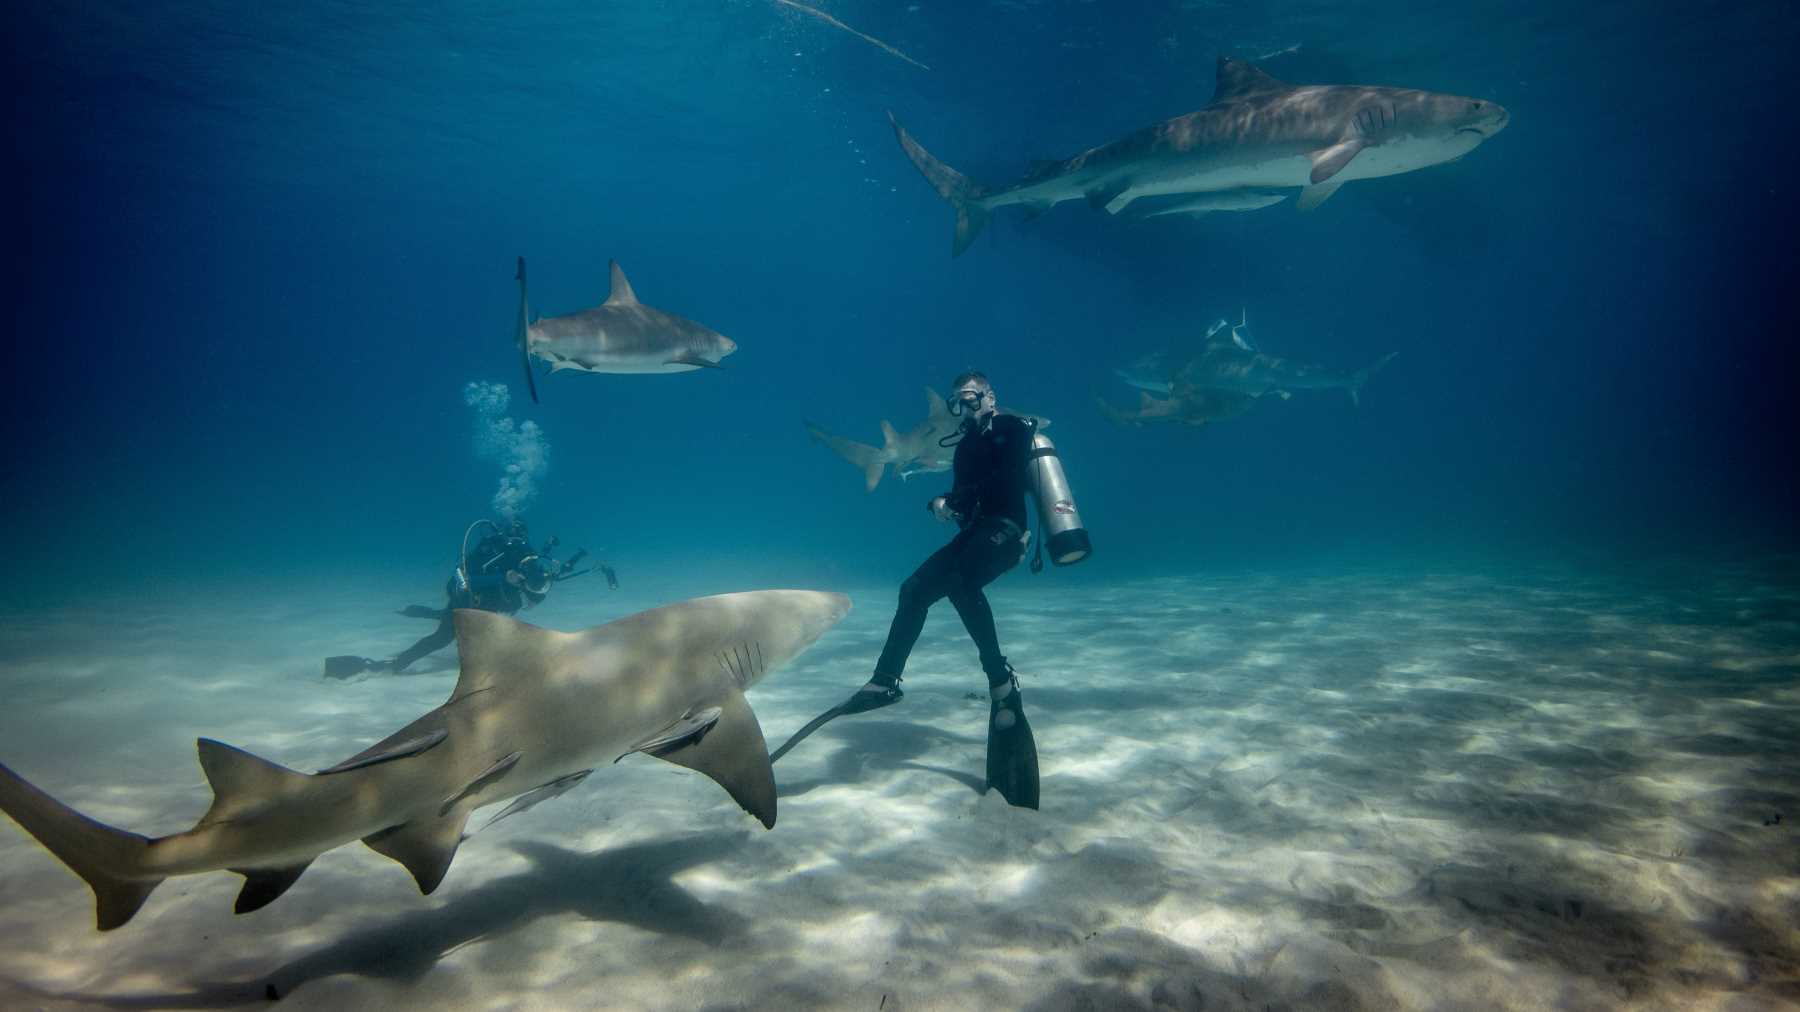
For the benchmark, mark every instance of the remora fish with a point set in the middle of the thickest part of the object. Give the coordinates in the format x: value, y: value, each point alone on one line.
x: 1259, y: 133
x: 1185, y: 405
x: 621, y: 335
x: 1227, y: 359
x: 531, y: 709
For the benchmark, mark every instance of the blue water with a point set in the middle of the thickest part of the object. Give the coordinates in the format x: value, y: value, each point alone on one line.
x: 259, y: 253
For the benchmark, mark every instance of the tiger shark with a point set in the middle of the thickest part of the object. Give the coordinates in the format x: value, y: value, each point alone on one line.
x: 1258, y: 134
x: 532, y: 709
x: 920, y: 450
x: 621, y: 335
x: 1228, y: 360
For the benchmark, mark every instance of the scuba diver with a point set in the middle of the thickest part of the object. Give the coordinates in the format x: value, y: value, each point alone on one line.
x: 503, y: 574
x: 992, y: 471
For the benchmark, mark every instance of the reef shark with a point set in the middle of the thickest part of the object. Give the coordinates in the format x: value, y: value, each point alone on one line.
x: 920, y: 450
x: 1258, y: 134
x: 532, y: 709
x: 621, y: 335
x: 1228, y: 360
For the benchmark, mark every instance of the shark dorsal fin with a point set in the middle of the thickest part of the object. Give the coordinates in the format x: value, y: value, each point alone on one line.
x: 1238, y: 78
x: 494, y: 647
x: 621, y: 293
x: 937, y: 409
x: 240, y: 780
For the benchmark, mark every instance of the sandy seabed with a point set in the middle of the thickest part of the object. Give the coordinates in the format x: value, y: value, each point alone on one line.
x: 1386, y: 788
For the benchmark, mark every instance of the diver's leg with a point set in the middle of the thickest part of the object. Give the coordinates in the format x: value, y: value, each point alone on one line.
x: 925, y: 587
x: 437, y: 639
x: 1012, y: 763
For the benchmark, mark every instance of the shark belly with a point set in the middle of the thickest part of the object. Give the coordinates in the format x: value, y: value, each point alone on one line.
x: 1214, y: 174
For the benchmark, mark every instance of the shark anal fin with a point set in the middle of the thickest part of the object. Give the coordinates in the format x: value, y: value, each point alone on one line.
x: 262, y: 886
x: 399, y: 750
x: 1328, y: 162
x: 689, y: 358
x: 424, y: 846
x: 687, y: 731
x: 735, y: 755
x: 493, y: 773
x: 1313, y: 196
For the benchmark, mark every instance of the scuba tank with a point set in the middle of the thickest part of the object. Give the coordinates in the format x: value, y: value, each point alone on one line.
x: 1059, y: 522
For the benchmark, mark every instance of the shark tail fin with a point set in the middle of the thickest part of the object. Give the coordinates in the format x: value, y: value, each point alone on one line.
x: 1362, y: 376
x: 105, y: 857
x: 870, y: 461
x: 524, y: 333
x: 964, y: 194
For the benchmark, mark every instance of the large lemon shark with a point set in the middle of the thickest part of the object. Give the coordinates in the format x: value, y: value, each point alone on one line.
x: 533, y: 710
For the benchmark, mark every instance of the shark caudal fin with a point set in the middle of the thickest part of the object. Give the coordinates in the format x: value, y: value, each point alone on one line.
x: 524, y: 333
x: 964, y: 194
x: 105, y: 857
x: 869, y: 460
x: 1361, y: 376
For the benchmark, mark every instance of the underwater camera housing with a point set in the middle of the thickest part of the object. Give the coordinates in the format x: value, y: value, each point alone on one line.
x: 1059, y: 520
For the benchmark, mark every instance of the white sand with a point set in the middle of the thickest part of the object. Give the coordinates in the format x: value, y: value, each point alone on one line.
x: 1390, y: 789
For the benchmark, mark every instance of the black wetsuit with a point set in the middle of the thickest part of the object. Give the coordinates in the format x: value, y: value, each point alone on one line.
x: 991, y: 474
x: 487, y: 590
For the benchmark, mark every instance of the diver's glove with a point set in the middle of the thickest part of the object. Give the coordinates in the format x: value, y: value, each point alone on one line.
x: 940, y: 508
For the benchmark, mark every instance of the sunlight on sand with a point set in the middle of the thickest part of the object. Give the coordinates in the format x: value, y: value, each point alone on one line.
x: 1528, y: 790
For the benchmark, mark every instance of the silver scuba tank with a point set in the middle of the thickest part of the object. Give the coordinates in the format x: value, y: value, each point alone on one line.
x: 1059, y: 522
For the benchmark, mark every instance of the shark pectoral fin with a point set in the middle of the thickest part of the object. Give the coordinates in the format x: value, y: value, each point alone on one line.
x: 1328, y: 162
x: 262, y: 886
x: 240, y: 780
x: 492, y: 774
x: 735, y: 755
x: 1313, y: 196
x: 689, y: 358
x: 424, y: 846
x: 1111, y: 198
x: 686, y: 731
x: 560, y: 364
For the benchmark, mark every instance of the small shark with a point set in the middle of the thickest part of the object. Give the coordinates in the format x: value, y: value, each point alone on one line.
x: 919, y: 451
x: 621, y: 335
x: 1185, y: 405
x: 915, y: 452
x: 1258, y: 134
x: 1228, y: 360
x: 532, y: 709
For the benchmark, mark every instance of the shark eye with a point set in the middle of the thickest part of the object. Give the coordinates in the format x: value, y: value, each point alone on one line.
x: 1476, y: 105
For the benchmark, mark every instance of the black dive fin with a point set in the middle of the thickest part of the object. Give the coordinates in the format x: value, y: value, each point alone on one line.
x: 263, y: 885
x: 524, y: 334
x: 812, y: 725
x: 1012, y: 760
x: 861, y: 701
x: 731, y: 750
x: 346, y: 665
